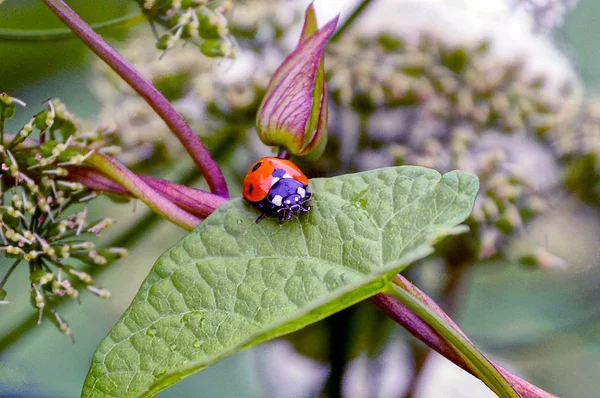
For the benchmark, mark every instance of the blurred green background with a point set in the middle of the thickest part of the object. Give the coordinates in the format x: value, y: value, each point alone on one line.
x: 545, y: 325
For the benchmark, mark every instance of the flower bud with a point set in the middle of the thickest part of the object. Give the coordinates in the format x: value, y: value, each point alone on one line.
x: 7, y: 104
x: 293, y: 113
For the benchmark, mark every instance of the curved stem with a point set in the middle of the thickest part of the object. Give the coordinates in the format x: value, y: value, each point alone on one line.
x: 66, y: 34
x: 418, y: 314
x: 478, y: 364
x: 194, y: 201
x: 455, y: 273
x: 209, y: 168
x: 141, y: 190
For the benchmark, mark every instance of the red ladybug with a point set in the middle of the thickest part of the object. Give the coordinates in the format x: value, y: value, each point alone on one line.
x: 276, y: 187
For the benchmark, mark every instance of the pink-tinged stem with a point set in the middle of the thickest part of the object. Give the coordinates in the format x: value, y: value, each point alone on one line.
x: 137, y: 187
x: 424, y: 332
x: 192, y: 143
x: 194, y: 201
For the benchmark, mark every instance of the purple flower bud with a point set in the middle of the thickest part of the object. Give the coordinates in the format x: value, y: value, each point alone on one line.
x: 293, y: 114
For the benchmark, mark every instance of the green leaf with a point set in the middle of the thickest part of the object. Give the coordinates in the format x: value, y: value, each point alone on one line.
x: 232, y: 284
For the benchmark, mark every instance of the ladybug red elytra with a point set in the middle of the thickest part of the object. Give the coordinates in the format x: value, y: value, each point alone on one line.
x: 276, y: 187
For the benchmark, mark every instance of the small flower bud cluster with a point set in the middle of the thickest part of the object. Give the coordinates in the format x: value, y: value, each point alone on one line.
x: 451, y: 84
x: 199, y: 21
x: 578, y: 145
x: 43, y: 215
x: 447, y: 107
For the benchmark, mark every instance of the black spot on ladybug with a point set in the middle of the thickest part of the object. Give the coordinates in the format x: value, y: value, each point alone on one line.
x: 250, y: 188
x: 256, y: 166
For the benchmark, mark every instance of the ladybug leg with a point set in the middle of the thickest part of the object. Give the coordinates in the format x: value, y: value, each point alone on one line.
x: 262, y: 215
x: 307, y: 207
x: 281, y: 214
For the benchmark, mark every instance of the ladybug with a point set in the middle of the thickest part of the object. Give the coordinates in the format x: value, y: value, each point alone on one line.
x: 276, y: 187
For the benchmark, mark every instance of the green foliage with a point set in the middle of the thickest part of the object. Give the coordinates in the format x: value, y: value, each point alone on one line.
x: 28, y: 62
x: 232, y: 284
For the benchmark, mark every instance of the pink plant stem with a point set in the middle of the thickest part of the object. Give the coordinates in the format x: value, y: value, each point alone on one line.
x: 195, y: 201
x: 206, y: 164
x: 137, y: 187
x: 421, y: 330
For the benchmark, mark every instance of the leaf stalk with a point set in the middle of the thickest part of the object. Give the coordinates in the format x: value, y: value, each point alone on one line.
x: 417, y: 313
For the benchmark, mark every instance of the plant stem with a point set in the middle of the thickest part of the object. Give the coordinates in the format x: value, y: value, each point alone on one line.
x: 8, y: 273
x: 283, y: 154
x: 480, y: 365
x: 65, y: 34
x: 420, y: 355
x: 141, y: 190
x: 417, y: 313
x: 449, y: 297
x: 350, y: 20
x: 192, y: 143
x: 339, y: 326
x: 194, y: 201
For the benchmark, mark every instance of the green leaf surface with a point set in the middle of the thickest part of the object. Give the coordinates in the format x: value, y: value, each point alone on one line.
x: 232, y: 284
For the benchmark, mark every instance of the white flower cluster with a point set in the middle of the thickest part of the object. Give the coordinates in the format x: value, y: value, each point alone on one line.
x: 439, y: 92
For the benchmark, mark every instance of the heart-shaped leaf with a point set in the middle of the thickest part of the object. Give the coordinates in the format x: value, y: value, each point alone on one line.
x: 232, y: 284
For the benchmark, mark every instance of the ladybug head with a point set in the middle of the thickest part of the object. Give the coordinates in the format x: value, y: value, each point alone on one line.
x: 289, y: 197
x: 294, y: 202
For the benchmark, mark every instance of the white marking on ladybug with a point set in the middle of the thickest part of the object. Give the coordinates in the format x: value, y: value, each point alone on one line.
x: 286, y: 175
x: 301, y: 191
x: 277, y: 199
x: 274, y: 180
x: 288, y: 202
